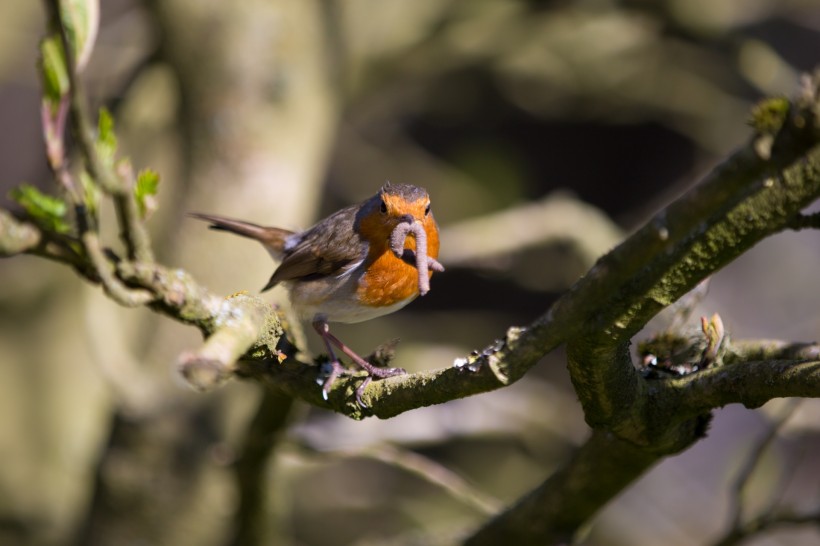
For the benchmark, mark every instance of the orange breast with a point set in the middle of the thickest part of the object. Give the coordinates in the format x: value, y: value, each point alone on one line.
x: 389, y: 280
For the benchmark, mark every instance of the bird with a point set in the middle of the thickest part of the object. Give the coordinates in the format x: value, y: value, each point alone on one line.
x: 361, y: 262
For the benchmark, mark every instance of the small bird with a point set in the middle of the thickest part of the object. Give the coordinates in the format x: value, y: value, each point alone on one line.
x: 357, y: 264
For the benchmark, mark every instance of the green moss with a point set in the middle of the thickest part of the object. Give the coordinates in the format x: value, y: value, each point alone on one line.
x: 769, y: 115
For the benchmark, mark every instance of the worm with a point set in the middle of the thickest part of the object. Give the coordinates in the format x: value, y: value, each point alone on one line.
x: 419, y: 258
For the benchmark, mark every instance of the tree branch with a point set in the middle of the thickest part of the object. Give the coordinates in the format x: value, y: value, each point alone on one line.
x: 551, y: 514
x: 752, y: 195
x: 768, y: 522
x: 425, y: 469
x: 558, y: 217
x: 749, y: 383
x: 237, y: 326
x: 752, y: 462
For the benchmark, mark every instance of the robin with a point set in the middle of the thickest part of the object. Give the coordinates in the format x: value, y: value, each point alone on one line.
x: 357, y: 264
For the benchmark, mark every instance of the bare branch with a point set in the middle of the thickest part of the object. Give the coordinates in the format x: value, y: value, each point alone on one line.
x: 425, y: 469
x: 112, y: 285
x: 558, y: 217
x: 768, y: 522
x: 551, y: 513
x: 752, y: 461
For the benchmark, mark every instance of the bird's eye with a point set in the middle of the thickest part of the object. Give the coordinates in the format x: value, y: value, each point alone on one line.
x: 384, y: 208
x: 427, y: 209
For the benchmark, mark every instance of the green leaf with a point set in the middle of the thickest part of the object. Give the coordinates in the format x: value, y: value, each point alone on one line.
x: 53, y: 70
x: 106, y: 139
x: 81, y: 19
x: 145, y: 190
x: 47, y: 211
x: 147, y: 183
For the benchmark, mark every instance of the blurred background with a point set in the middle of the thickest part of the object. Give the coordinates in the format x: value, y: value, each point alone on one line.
x: 544, y: 131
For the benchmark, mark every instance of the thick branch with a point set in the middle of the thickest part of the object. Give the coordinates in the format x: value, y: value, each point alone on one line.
x: 679, y: 403
x: 744, y: 200
x: 552, y: 513
x: 237, y: 327
x: 749, y: 383
x: 668, y: 257
x: 769, y: 349
x: 238, y: 324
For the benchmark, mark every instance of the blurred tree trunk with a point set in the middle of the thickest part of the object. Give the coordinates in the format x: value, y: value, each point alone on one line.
x: 257, y: 117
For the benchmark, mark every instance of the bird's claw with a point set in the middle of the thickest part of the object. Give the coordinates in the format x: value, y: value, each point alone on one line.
x: 331, y: 370
x: 360, y: 391
x: 380, y: 373
x: 328, y: 373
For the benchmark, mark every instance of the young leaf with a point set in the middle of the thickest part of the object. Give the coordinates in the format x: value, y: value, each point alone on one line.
x: 53, y: 70
x: 146, y: 190
x: 106, y: 139
x: 81, y: 19
x: 47, y: 211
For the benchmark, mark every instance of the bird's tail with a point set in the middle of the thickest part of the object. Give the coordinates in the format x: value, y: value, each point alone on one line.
x: 272, y: 238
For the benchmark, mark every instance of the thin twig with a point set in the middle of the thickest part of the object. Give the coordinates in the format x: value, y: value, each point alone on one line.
x: 753, y: 459
x: 112, y: 285
x: 767, y: 522
x: 426, y: 469
x: 132, y: 229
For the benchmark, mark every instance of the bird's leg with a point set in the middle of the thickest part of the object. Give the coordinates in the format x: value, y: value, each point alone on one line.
x: 336, y: 368
x: 323, y: 329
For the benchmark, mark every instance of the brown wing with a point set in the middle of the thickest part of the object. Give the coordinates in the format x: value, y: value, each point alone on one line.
x: 327, y: 249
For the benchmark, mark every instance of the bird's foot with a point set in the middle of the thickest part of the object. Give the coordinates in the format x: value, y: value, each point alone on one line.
x: 328, y: 373
x: 379, y: 373
x: 331, y: 370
